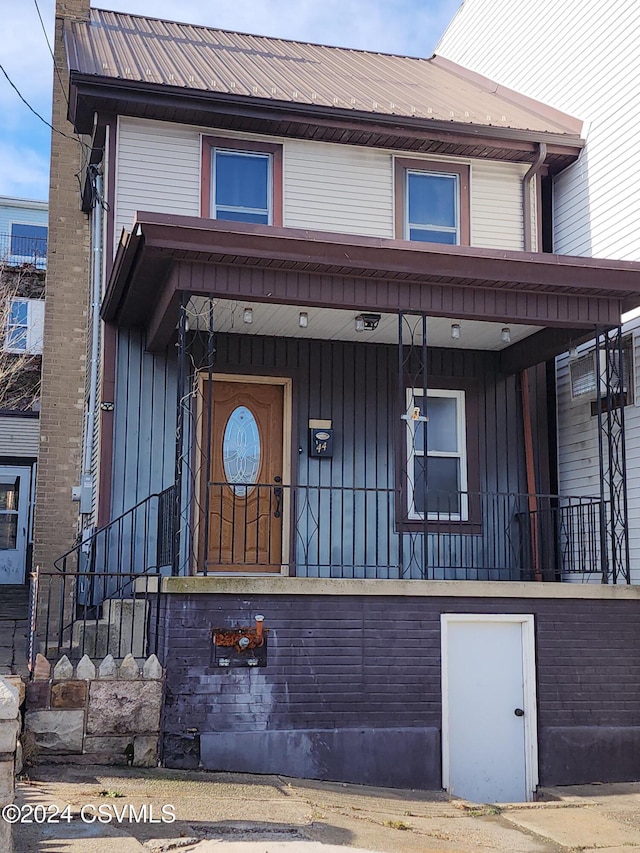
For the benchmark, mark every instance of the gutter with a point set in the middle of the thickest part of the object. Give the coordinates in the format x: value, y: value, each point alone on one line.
x: 96, y: 243
x: 135, y: 91
x: 535, y: 168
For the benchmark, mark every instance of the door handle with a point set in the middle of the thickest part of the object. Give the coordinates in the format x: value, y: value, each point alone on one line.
x: 277, y: 493
x: 519, y: 712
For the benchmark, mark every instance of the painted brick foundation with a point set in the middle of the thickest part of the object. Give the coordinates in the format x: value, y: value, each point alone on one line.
x: 351, y: 691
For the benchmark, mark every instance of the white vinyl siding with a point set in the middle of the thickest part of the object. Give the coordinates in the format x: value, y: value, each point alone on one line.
x: 582, y: 60
x: 157, y: 170
x: 496, y: 205
x: 339, y: 188
x: 578, y: 460
x: 334, y: 188
x: 19, y: 436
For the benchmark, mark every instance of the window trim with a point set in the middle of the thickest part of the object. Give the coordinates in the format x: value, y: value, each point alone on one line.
x: 12, y: 326
x: 34, y: 328
x: 248, y: 146
x: 475, y: 439
x: 402, y: 166
x: 459, y: 395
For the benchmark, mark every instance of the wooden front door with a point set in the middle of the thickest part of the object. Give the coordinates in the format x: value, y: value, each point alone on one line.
x: 246, y: 497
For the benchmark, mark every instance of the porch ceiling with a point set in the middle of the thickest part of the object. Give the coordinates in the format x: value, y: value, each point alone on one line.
x: 332, y: 324
x: 166, y: 256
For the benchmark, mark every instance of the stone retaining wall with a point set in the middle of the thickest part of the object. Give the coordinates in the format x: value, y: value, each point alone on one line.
x: 9, y: 747
x: 104, y: 715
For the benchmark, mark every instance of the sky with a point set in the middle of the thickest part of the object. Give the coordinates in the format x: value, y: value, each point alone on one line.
x: 410, y: 27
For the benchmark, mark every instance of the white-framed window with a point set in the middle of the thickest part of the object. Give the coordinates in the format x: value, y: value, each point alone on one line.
x: 241, y: 186
x: 444, y: 452
x: 432, y: 212
x: 25, y: 326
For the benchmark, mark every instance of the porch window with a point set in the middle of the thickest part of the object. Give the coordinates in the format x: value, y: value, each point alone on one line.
x: 432, y: 202
x: 242, y: 181
x: 443, y: 454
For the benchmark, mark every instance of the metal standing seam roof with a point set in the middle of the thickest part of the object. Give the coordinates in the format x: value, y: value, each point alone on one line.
x: 148, y: 50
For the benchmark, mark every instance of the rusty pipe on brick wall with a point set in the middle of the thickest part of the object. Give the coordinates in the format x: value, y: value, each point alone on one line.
x: 259, y: 621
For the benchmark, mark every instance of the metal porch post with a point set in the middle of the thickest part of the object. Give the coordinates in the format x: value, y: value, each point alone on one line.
x: 614, y: 526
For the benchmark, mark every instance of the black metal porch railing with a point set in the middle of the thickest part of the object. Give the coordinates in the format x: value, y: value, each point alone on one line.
x: 104, y: 595
x: 344, y: 532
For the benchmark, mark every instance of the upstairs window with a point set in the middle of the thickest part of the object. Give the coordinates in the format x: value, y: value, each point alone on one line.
x: 432, y: 202
x: 242, y: 181
x: 29, y: 241
x: 24, y: 326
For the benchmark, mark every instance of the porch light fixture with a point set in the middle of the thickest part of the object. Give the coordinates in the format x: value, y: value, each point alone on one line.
x: 505, y: 335
x: 366, y: 322
x: 455, y: 331
x: 303, y: 319
x: 247, y: 315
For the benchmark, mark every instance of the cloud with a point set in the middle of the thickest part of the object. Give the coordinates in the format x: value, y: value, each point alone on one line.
x: 392, y: 26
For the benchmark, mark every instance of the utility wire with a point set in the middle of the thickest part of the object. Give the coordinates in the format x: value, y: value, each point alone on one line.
x: 55, y: 67
x: 36, y: 113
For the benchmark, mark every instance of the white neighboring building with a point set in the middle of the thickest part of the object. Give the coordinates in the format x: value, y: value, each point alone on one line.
x: 23, y: 260
x: 582, y: 59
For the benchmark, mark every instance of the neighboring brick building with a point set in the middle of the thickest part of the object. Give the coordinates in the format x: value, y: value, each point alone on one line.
x: 65, y: 331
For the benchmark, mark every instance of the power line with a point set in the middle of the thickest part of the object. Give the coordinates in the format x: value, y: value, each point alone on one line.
x: 37, y: 114
x: 55, y: 67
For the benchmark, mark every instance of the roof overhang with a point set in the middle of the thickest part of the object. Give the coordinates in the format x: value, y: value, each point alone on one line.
x: 165, y: 257
x: 91, y: 94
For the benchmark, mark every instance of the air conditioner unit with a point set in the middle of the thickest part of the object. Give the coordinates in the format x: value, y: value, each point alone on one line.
x: 585, y: 372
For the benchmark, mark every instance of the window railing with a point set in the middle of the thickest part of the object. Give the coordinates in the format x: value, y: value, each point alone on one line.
x: 17, y: 251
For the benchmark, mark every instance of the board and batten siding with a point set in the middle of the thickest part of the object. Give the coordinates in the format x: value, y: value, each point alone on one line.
x: 356, y: 386
x: 327, y: 187
x: 578, y: 460
x: 581, y: 58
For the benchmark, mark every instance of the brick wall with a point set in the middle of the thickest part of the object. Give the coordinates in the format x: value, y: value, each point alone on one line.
x: 64, y: 355
x: 372, y: 664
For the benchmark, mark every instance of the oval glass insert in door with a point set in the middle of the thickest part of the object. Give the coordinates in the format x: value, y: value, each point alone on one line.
x: 241, y: 450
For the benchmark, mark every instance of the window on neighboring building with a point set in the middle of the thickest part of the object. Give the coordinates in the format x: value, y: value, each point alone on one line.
x: 444, y: 455
x: 432, y: 202
x: 24, y: 328
x: 29, y: 241
x: 242, y: 181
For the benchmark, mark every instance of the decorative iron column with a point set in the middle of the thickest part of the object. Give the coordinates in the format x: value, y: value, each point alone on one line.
x: 413, y: 543
x: 194, y: 432
x: 610, y: 403
x: 182, y: 391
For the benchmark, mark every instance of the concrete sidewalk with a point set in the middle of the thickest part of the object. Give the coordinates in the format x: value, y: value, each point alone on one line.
x: 233, y: 813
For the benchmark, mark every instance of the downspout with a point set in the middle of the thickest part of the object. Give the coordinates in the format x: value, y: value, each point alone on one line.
x: 526, y: 194
x: 532, y: 499
x: 96, y: 297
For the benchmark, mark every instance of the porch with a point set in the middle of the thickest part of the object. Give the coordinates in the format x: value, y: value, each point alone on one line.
x: 323, y: 406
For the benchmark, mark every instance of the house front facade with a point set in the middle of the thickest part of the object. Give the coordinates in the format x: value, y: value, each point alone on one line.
x: 322, y: 418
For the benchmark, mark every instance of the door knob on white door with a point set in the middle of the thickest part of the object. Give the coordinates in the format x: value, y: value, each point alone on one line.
x: 519, y: 712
